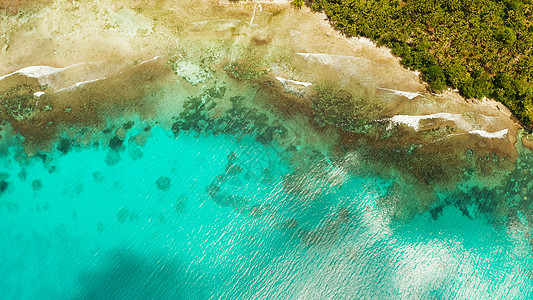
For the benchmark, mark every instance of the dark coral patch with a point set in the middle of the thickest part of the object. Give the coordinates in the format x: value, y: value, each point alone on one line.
x: 107, y: 130
x: 42, y: 156
x: 52, y: 169
x: 116, y: 143
x: 436, y: 212
x: 22, y: 175
x: 3, y: 186
x: 112, y: 158
x: 123, y: 214
x: 64, y: 146
x: 98, y: 177
x: 128, y: 125
x: 36, y: 185
x: 163, y: 183
x: 135, y: 153
x: 176, y: 128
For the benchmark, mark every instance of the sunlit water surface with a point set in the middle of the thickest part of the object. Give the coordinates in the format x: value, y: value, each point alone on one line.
x: 203, y: 216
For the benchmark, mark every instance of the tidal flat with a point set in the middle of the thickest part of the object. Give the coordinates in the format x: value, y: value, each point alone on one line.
x: 222, y: 149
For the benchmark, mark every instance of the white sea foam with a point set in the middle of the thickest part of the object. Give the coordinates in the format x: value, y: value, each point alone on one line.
x: 34, y: 71
x: 414, y: 121
x: 39, y: 71
x: 408, y: 95
x: 149, y: 60
x: 288, y: 81
x: 491, y: 135
x: 43, y: 72
x: 78, y: 84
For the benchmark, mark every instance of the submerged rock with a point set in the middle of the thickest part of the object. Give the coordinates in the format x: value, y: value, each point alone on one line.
x: 176, y: 128
x: 121, y: 133
x: 36, y: 185
x: 179, y: 206
x: 233, y: 169
x: 22, y: 175
x: 128, y: 125
x: 123, y: 214
x: 64, y: 145
x: 257, y: 211
x: 112, y: 158
x: 116, y: 143
x: 343, y: 215
x: 163, y: 183
x: 229, y: 200
x: 3, y: 186
x: 135, y: 153
x: 52, y: 169
x: 42, y: 156
x: 290, y: 223
x: 98, y: 177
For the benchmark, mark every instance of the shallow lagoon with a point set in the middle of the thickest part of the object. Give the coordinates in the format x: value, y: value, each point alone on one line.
x: 99, y: 228
x: 247, y: 164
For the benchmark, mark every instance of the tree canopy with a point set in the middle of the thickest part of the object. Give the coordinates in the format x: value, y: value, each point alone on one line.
x: 480, y: 47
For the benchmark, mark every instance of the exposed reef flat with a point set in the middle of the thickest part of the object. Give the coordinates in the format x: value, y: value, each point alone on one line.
x: 72, y: 67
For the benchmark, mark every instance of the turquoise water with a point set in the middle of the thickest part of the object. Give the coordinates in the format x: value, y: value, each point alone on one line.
x: 202, y: 216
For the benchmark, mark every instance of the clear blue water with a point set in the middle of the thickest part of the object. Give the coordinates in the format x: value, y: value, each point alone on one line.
x: 175, y: 219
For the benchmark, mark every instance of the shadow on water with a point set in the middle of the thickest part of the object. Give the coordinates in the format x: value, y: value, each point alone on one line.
x: 127, y: 275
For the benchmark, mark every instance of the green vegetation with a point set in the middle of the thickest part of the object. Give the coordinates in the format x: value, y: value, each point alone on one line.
x: 481, y: 47
x: 298, y: 3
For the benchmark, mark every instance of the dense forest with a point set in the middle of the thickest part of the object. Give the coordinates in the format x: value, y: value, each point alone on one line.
x: 480, y: 47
